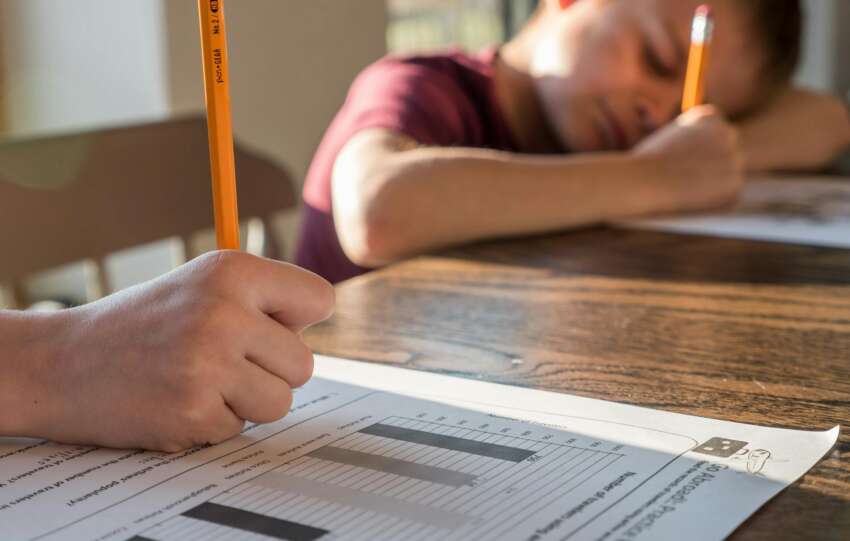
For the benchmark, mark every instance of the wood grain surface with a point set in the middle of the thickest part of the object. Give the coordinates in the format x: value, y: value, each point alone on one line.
x: 737, y: 330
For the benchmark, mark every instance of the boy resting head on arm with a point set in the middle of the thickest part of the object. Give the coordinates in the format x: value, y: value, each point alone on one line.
x: 572, y: 123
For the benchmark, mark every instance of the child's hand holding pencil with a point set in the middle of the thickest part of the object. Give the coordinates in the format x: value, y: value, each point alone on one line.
x: 698, y: 158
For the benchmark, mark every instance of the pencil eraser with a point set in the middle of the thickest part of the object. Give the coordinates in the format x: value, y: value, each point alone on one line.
x: 703, y: 10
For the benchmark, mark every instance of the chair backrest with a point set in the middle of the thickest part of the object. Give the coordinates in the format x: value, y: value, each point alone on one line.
x: 842, y: 165
x: 69, y: 198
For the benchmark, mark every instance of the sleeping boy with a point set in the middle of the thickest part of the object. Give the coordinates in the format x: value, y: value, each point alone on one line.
x: 574, y: 122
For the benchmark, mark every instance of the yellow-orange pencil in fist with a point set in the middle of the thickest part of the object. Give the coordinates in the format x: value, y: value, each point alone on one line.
x: 219, y: 123
x: 701, y: 35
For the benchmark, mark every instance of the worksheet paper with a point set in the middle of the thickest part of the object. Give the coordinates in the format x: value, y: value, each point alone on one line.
x: 372, y: 452
x: 811, y: 211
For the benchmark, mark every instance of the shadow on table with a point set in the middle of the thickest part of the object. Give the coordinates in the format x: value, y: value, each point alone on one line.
x: 810, y: 514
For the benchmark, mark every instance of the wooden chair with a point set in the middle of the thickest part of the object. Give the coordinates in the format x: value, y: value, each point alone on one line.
x: 77, y: 197
x: 842, y: 165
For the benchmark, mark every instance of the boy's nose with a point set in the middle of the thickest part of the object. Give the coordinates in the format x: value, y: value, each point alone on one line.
x: 652, y: 117
x: 659, y: 107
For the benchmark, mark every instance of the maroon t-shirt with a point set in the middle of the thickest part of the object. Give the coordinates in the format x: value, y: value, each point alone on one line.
x: 444, y: 99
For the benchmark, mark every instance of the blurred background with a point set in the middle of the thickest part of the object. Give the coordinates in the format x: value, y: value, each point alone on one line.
x: 106, y: 63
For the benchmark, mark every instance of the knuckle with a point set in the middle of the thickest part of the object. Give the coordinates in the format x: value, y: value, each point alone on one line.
x: 227, y: 430
x: 316, y: 294
x: 281, y: 405
x: 222, y: 269
x: 193, y: 413
x: 713, y: 123
x: 205, y: 433
x: 710, y: 110
x: 326, y: 299
x: 701, y: 117
x: 302, y: 366
x: 171, y: 446
x: 172, y: 441
x: 274, y: 407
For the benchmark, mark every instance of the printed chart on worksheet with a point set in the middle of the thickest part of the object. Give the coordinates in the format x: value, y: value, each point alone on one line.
x: 426, y: 473
x: 357, y: 460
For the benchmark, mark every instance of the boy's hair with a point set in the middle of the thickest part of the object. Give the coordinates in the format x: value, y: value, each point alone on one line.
x: 779, y: 24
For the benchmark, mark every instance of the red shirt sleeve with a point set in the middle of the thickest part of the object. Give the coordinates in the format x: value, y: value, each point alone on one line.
x: 419, y: 99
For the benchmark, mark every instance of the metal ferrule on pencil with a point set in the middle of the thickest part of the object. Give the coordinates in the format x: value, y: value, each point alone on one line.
x: 703, y: 28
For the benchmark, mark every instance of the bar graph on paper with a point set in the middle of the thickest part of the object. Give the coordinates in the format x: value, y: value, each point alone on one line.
x: 355, y: 461
x: 401, y: 478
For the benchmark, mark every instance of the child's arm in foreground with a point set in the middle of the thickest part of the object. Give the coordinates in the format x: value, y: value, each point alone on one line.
x: 176, y: 362
x: 798, y: 131
x: 393, y: 199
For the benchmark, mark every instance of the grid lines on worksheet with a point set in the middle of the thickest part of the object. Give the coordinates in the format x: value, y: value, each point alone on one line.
x: 399, y: 478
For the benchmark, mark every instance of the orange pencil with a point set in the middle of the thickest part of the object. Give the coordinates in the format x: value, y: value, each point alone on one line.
x: 219, y: 123
x: 701, y: 35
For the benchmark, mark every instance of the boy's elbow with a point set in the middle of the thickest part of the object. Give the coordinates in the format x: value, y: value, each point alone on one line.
x: 371, y: 213
x: 371, y: 239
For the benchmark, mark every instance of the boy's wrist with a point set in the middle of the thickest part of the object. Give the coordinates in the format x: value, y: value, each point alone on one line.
x: 659, y: 182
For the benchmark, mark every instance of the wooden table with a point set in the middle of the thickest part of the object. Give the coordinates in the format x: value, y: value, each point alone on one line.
x: 744, y: 331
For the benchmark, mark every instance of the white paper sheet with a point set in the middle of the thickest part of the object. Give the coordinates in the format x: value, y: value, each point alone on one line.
x: 372, y: 452
x: 796, y: 210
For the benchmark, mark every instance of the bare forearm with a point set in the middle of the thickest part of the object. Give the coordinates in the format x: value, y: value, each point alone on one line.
x: 798, y: 131
x: 433, y: 197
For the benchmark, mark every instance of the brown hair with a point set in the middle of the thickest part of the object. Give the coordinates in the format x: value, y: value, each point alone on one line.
x: 779, y: 24
x: 779, y: 28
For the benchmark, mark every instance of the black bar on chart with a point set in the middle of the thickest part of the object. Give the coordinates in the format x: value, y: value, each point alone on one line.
x: 254, y: 522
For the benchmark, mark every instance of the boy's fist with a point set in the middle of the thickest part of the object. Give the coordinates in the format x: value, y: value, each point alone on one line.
x: 698, y: 157
x: 184, y: 359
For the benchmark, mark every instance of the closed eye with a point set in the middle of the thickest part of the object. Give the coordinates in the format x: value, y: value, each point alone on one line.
x: 656, y: 65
